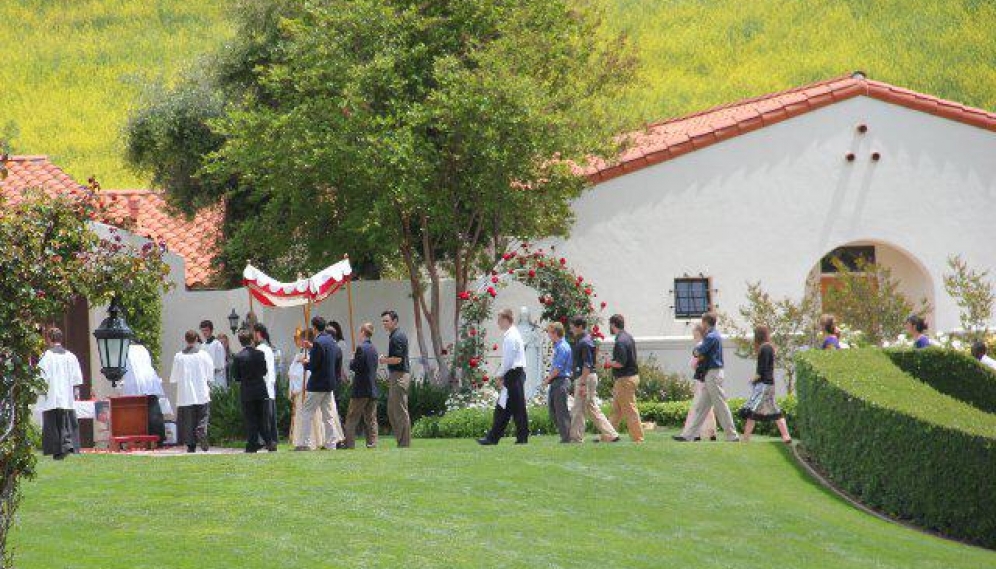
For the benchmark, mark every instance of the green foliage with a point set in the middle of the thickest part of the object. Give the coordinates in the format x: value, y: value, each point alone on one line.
x: 898, y: 444
x: 425, y: 399
x: 656, y: 384
x: 868, y: 299
x: 91, y: 60
x: 793, y: 325
x: 472, y: 423
x: 953, y: 373
x: 973, y: 292
x: 50, y: 256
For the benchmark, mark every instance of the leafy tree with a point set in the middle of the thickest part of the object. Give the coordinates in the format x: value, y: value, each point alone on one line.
x: 973, y: 292
x: 794, y: 326
x: 50, y: 257
x: 437, y: 130
x: 868, y: 299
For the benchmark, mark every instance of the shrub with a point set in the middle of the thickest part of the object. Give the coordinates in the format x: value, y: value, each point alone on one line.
x: 425, y: 399
x: 656, y: 384
x: 898, y: 444
x: 467, y: 423
x: 226, y: 425
x: 953, y: 373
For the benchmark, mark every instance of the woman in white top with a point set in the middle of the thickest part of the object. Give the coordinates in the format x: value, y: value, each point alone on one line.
x: 298, y: 379
x: 193, y: 370
x: 61, y: 370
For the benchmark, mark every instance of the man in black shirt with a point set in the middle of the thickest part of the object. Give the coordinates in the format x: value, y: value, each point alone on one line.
x: 363, y: 400
x: 398, y: 380
x: 249, y: 369
x: 627, y: 379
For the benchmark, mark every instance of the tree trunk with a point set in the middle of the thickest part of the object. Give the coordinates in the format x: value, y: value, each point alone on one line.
x: 427, y: 366
x: 432, y: 315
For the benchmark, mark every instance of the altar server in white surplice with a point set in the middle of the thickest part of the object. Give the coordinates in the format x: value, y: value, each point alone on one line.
x: 213, y: 347
x: 61, y: 371
x: 262, y: 337
x: 193, y: 369
x: 141, y: 379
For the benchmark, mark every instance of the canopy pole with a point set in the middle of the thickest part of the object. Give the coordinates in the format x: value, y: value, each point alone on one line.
x: 352, y: 327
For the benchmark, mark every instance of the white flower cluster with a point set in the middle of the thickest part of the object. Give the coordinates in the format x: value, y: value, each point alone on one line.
x: 483, y: 398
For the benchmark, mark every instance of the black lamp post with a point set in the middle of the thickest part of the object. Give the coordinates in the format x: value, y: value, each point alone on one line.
x: 233, y: 321
x: 113, y: 339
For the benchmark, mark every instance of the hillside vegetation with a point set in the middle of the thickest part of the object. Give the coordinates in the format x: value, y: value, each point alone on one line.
x: 74, y: 68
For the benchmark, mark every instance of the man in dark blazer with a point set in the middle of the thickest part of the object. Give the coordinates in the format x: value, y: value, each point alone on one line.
x: 249, y: 370
x: 363, y: 400
x: 325, y: 364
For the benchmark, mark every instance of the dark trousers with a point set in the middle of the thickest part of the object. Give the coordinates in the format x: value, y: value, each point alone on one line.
x: 257, y: 422
x: 60, y: 432
x: 271, y: 423
x: 157, y: 424
x: 560, y: 413
x: 515, y: 408
x: 192, y: 424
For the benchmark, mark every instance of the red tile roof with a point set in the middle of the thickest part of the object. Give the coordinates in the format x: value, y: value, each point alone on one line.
x: 671, y: 138
x: 143, y: 212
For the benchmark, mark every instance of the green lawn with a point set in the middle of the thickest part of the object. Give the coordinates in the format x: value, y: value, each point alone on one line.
x: 449, y: 503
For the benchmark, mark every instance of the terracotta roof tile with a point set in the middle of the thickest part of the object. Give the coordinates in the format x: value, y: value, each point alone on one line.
x: 143, y: 212
x: 674, y: 137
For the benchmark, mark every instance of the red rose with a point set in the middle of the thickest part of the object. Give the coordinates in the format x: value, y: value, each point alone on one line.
x: 532, y: 273
x: 445, y: 352
x: 563, y: 261
x: 604, y: 304
x: 595, y: 328
x: 485, y: 378
x: 493, y: 272
x: 494, y: 280
x: 525, y: 245
x: 473, y: 362
x: 492, y: 291
x: 541, y: 265
x: 511, y: 271
x: 494, y: 347
x: 587, y: 291
x: 472, y: 332
x: 580, y: 279
x: 508, y: 256
x: 40, y: 293
x: 563, y: 320
x: 464, y: 295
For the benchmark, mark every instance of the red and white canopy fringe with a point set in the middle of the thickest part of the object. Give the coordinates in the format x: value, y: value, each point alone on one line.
x: 314, y: 289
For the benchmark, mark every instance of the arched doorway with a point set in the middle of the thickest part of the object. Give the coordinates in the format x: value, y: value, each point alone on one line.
x: 914, y: 280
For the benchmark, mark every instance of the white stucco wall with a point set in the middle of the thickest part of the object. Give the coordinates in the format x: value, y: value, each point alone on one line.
x: 769, y: 204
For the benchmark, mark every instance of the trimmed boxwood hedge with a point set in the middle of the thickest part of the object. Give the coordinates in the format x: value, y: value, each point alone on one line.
x: 956, y: 374
x: 898, y: 444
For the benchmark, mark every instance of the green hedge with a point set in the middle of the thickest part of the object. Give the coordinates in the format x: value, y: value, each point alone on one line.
x: 468, y: 423
x: 898, y: 444
x: 956, y: 374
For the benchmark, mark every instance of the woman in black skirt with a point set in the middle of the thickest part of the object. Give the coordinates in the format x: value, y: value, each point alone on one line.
x: 762, y: 405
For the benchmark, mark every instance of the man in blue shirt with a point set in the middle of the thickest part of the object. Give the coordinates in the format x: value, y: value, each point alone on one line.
x: 559, y: 380
x: 710, y: 351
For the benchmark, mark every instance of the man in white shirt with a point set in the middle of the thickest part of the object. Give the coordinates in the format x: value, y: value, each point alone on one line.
x: 193, y: 369
x: 61, y: 371
x: 141, y: 379
x: 216, y: 350
x: 263, y: 344
x: 511, y: 384
x: 979, y: 352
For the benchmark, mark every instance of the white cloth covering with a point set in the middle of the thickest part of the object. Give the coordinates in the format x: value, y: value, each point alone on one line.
x: 271, y: 370
x: 61, y: 370
x: 192, y: 372
x: 217, y: 353
x: 141, y: 378
x: 295, y: 373
x: 513, y: 351
x: 986, y: 360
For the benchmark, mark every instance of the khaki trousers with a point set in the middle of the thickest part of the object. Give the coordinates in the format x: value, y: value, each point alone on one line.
x: 323, y: 402
x: 708, y: 429
x: 585, y: 406
x: 397, y: 407
x: 363, y: 408
x: 624, y: 406
x: 711, y: 396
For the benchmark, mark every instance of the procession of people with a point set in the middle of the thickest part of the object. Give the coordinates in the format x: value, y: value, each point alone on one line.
x: 317, y: 373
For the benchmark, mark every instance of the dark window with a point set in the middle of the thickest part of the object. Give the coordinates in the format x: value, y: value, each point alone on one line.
x: 850, y: 257
x: 691, y: 297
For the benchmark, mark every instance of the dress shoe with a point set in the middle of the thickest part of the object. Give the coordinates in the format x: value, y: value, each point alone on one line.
x: 191, y: 448
x: 205, y: 446
x: 371, y: 446
x: 680, y: 439
x: 58, y: 457
x: 486, y: 442
x: 272, y: 448
x: 302, y: 449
